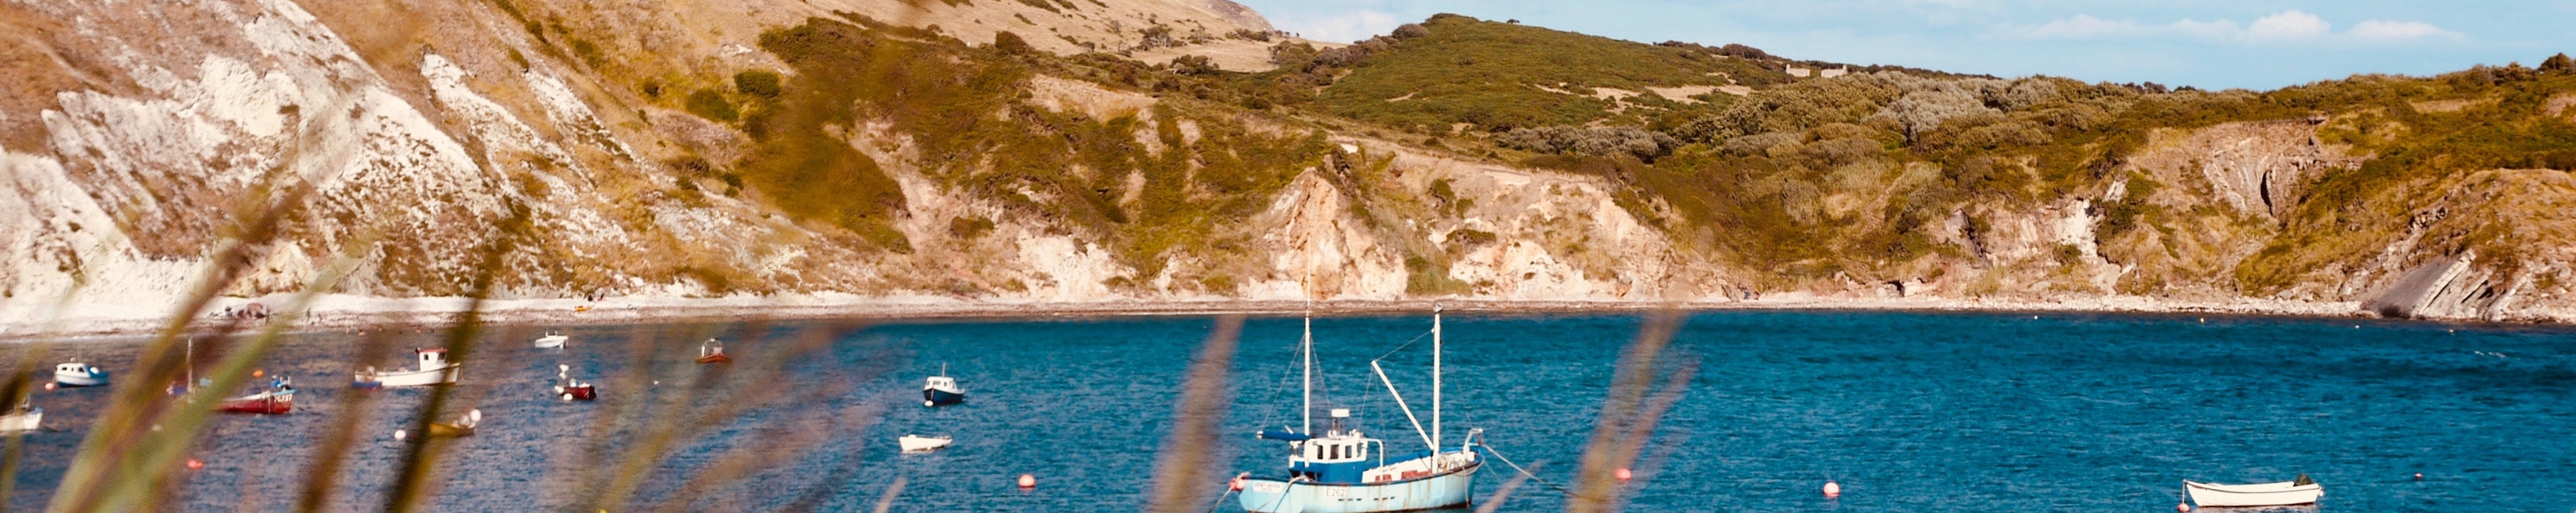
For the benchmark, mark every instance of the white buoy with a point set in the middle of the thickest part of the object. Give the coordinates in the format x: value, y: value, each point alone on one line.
x: 567, y: 397
x: 1833, y: 489
x: 1028, y: 481
x: 399, y: 435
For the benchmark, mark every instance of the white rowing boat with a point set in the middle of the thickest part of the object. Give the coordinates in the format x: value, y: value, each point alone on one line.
x: 918, y: 443
x: 2285, y: 493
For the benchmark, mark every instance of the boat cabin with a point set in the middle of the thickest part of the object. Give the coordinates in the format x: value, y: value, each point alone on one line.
x: 74, y: 368
x: 941, y: 383
x: 1338, y: 456
x: 432, y: 358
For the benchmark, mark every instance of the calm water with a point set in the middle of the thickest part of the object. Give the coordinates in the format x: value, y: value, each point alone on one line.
x: 1908, y: 411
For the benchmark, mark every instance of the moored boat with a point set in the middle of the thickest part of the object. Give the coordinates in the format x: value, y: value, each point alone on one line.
x: 1345, y: 471
x: 573, y: 389
x: 76, y: 374
x: 434, y: 370
x: 2284, y: 493
x: 279, y: 399
x: 23, y: 419
x: 713, y: 352
x: 552, y: 340
x: 941, y: 390
x: 464, y: 426
x: 919, y: 443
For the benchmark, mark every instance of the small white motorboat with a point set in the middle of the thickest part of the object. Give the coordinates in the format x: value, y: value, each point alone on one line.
x: 434, y: 370
x: 76, y: 374
x: 552, y: 340
x: 919, y: 443
x: 2285, y: 493
x: 23, y: 419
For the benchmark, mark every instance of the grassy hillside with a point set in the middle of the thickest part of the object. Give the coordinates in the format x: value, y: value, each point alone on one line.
x: 1499, y: 76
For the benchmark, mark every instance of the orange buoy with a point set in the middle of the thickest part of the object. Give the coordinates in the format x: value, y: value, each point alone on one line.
x: 258, y: 373
x: 193, y: 464
x: 1833, y: 489
x: 2419, y: 476
x: 2182, y: 506
x: 1624, y: 474
x: 1028, y: 481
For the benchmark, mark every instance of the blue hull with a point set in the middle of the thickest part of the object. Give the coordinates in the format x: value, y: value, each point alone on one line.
x: 94, y: 379
x: 934, y: 397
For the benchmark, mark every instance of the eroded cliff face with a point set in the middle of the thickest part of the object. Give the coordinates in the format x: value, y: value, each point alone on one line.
x: 141, y: 136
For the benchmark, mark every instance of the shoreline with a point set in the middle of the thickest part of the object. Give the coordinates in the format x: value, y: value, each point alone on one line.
x: 344, y: 312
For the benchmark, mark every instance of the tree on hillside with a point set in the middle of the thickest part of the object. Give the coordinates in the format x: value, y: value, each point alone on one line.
x: 2557, y: 64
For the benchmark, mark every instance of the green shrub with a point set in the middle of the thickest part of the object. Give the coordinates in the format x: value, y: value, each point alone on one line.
x: 712, y: 105
x: 761, y: 83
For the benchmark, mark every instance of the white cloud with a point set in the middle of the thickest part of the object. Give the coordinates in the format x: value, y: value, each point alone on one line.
x: 2380, y: 30
x: 2288, y: 25
x: 2284, y: 26
x: 1354, y: 26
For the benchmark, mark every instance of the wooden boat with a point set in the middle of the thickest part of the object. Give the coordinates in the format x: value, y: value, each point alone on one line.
x: 23, y: 419
x: 552, y: 340
x: 713, y: 352
x: 1343, y: 471
x: 919, y: 443
x: 573, y: 389
x: 464, y: 426
x: 277, y: 400
x: 941, y: 390
x: 434, y: 370
x: 76, y: 374
x: 2285, y: 493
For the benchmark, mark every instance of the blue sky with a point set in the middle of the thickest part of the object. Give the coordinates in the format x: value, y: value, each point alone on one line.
x: 2256, y: 44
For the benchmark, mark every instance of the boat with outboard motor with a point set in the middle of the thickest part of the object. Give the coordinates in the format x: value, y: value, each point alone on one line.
x: 26, y: 417
x: 552, y: 340
x: 941, y: 390
x: 277, y: 400
x: 1345, y: 471
x: 712, y: 352
x: 76, y: 374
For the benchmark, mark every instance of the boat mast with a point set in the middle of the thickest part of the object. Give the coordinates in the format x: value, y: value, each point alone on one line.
x: 1435, y: 378
x: 1307, y: 347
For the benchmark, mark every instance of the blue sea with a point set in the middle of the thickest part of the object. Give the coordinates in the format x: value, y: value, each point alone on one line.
x: 1907, y: 411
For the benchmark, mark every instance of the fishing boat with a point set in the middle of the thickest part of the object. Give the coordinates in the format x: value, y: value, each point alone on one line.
x: 552, y: 340
x: 22, y: 419
x: 2285, y: 493
x: 464, y: 426
x: 919, y: 443
x: 277, y: 400
x: 713, y: 352
x: 1345, y: 471
x: 941, y: 390
x: 76, y: 374
x: 573, y: 389
x: 434, y: 370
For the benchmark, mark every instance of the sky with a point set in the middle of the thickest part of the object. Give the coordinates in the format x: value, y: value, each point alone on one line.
x: 2253, y: 44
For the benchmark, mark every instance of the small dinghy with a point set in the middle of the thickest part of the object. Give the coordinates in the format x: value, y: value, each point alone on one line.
x: 552, y: 340
x: 713, y: 352
x: 277, y: 400
x: 574, y: 389
x: 464, y: 426
x: 23, y: 419
x: 434, y: 370
x: 2285, y: 493
x: 941, y: 390
x: 919, y: 443
x: 76, y: 374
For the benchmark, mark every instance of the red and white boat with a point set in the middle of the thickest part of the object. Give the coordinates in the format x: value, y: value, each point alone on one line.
x: 712, y: 352
x: 574, y: 389
x: 277, y: 400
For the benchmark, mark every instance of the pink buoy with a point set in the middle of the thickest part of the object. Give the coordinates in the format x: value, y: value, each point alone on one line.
x: 1624, y: 474
x: 1833, y: 489
x: 49, y: 386
x: 193, y: 464
x: 1237, y: 485
x: 1028, y: 481
x: 2182, y: 506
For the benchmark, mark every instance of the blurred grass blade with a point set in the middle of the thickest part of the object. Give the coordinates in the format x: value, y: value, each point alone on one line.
x: 1614, y: 443
x: 1190, y: 449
